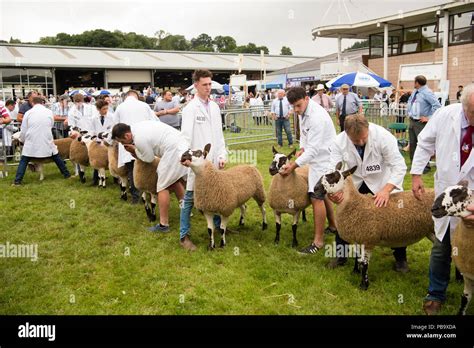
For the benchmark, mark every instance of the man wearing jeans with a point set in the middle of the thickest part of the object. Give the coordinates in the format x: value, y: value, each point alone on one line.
x: 201, y: 125
x: 449, y: 133
x: 37, y: 138
x: 280, y: 113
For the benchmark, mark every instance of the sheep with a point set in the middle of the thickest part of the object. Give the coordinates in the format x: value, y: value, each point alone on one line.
x: 222, y: 191
x: 288, y: 194
x: 37, y: 164
x: 145, y: 178
x: 120, y: 173
x: 98, y: 156
x: 360, y: 221
x: 79, y: 154
x: 453, y: 202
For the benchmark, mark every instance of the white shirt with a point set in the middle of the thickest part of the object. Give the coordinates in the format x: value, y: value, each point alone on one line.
x: 442, y: 134
x: 131, y: 111
x: 201, y: 127
x: 382, y: 164
x: 81, y: 117
x: 36, y: 133
x: 317, y: 134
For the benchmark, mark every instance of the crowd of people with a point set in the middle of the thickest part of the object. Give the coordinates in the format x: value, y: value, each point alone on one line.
x: 145, y: 133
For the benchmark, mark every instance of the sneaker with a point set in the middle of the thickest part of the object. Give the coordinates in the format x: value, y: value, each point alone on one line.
x: 159, y: 228
x: 431, y: 307
x: 311, y: 249
x: 187, y: 244
x: 16, y: 184
x: 290, y: 146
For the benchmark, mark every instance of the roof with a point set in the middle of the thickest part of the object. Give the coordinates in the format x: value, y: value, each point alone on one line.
x: 315, y: 64
x: 26, y: 55
x: 362, y: 30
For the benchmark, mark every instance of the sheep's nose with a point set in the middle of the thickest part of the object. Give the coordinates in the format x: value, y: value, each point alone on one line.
x: 273, y: 170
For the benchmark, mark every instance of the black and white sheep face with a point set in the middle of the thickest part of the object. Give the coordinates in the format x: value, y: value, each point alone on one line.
x: 453, y: 202
x: 333, y: 182
x: 279, y: 160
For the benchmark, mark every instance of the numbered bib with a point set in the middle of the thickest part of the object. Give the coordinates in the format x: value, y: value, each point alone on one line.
x: 200, y: 118
x: 373, y: 168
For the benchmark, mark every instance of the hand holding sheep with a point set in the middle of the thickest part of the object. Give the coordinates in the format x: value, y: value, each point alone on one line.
x: 417, y: 186
x: 469, y: 220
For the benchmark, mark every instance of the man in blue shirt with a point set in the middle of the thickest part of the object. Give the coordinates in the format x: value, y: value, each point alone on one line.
x: 281, y: 114
x: 421, y: 106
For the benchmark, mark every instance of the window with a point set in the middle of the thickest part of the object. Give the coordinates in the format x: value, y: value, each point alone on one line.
x: 428, y: 37
x: 461, y: 28
x: 376, y: 45
x: 18, y: 82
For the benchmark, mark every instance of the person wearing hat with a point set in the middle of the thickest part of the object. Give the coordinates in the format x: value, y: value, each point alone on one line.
x: 347, y: 104
x: 322, y: 98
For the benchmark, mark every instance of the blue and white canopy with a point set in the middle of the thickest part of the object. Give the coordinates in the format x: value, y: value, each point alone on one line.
x: 359, y: 79
x: 74, y: 92
x: 101, y: 92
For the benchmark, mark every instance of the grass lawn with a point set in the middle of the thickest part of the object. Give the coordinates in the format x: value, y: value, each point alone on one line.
x: 95, y: 256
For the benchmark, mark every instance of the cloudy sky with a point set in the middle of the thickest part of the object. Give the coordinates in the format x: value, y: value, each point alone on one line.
x: 263, y: 22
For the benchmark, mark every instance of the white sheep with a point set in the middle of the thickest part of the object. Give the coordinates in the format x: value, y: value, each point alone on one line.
x: 222, y: 191
x: 453, y: 202
x: 98, y: 156
x: 288, y: 194
x: 404, y: 221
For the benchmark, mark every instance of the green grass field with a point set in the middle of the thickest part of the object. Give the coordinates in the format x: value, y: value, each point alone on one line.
x: 95, y: 256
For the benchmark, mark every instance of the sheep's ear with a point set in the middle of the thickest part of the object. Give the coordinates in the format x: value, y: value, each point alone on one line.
x: 274, y: 150
x: 463, y: 183
x: 207, y: 148
x: 292, y: 153
x: 339, y: 166
x: 319, y: 188
x: 348, y: 172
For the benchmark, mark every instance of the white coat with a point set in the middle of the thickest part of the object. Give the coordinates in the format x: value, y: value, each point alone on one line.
x: 442, y: 135
x: 83, y: 120
x: 159, y: 139
x: 36, y: 134
x: 317, y: 134
x: 382, y: 164
x: 201, y: 128
x: 131, y: 111
x: 98, y: 127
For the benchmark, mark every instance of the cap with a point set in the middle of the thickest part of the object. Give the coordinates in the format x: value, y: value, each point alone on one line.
x: 320, y: 87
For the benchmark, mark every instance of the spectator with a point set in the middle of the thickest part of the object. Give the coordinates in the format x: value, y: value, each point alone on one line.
x: 280, y: 112
x: 60, y: 112
x: 322, y: 98
x: 37, y: 139
x: 257, y: 105
x: 421, y: 106
x: 167, y: 110
x: 26, y: 105
x: 347, y: 103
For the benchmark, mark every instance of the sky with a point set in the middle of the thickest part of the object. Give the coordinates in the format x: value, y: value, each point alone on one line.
x: 263, y: 22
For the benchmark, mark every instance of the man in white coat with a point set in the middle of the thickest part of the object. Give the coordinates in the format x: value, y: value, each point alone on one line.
x: 37, y: 137
x: 201, y: 124
x: 449, y: 134
x: 131, y: 111
x: 148, y: 139
x: 317, y: 134
x: 380, y: 170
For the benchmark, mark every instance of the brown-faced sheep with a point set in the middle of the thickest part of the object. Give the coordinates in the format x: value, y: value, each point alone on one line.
x: 98, y: 156
x: 288, y: 194
x: 222, y: 191
x: 453, y: 202
x: 145, y: 178
x: 80, y: 156
x: 404, y: 221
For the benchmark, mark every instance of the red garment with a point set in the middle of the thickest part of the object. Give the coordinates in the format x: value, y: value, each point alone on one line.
x: 466, y: 144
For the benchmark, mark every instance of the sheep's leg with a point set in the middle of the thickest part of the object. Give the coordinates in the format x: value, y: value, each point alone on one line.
x: 264, y: 217
x: 123, y: 188
x: 294, y: 228
x: 304, y: 215
x: 466, y: 296
x: 82, y: 175
x: 278, y: 227
x: 39, y: 168
x: 146, y: 203
x: 224, y: 221
x: 364, y: 260
x: 153, y: 206
x: 243, y: 208
x: 210, y: 230
x: 102, y: 174
x: 76, y: 171
x: 356, y: 260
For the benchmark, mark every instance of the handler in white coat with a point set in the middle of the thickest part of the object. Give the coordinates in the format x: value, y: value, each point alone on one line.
x: 380, y: 170
x: 448, y: 133
x: 37, y: 137
x: 131, y: 111
x: 317, y: 133
x: 81, y: 114
x: 147, y: 140
x: 201, y: 124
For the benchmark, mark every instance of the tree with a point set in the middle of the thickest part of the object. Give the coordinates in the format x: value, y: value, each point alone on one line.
x: 174, y: 43
x: 12, y: 40
x: 224, y: 44
x: 202, y: 43
x: 358, y: 44
x: 286, y: 51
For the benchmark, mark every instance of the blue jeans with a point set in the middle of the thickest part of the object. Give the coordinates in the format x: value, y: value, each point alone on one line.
x: 281, y: 123
x: 24, y: 160
x: 185, y: 215
x: 440, y: 268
